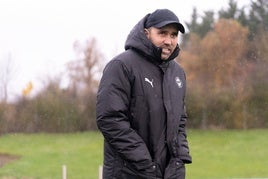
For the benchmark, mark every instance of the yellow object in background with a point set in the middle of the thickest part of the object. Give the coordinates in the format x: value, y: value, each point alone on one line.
x: 27, y: 90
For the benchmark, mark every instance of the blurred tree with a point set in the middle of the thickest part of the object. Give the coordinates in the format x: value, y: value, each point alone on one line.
x: 51, y: 110
x: 242, y: 18
x: 228, y: 42
x: 6, y: 75
x: 3, y: 125
x: 58, y: 109
x: 7, y: 116
x: 216, y: 65
x: 231, y: 13
x: 253, y: 16
x: 193, y: 26
x: 201, y: 28
x: 84, y: 73
x: 224, y: 66
x: 259, y: 99
x: 258, y: 17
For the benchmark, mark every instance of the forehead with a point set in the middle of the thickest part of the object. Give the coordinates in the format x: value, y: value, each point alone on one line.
x: 171, y: 26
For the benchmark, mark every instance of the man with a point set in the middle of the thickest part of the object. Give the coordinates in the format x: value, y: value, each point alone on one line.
x: 140, y: 104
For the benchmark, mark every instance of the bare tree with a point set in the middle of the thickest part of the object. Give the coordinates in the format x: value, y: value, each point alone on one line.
x: 83, y: 74
x: 6, y: 75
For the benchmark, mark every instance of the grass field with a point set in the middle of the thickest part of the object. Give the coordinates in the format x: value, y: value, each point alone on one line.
x: 42, y: 155
x: 216, y: 155
x: 228, y: 154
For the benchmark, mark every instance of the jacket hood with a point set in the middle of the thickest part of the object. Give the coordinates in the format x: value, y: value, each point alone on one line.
x: 138, y: 41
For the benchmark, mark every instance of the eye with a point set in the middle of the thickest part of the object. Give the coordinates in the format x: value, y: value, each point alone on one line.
x: 162, y: 32
x: 174, y: 35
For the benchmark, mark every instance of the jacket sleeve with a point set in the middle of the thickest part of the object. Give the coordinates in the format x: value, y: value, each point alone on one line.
x: 113, y: 101
x: 184, y: 147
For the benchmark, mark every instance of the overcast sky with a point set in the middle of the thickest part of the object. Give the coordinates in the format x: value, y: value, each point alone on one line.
x: 38, y: 35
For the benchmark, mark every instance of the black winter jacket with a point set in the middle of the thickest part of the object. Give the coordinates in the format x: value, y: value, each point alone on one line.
x: 141, y: 112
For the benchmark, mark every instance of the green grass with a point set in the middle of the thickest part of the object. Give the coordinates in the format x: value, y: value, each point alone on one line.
x: 42, y: 155
x: 228, y: 154
x: 216, y: 155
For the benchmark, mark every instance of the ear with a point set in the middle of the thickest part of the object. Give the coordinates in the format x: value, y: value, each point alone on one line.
x: 146, y: 31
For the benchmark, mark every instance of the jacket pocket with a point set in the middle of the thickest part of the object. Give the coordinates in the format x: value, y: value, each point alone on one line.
x: 175, y: 169
x: 128, y: 172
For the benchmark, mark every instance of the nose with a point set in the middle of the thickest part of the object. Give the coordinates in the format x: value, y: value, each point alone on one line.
x: 168, y: 40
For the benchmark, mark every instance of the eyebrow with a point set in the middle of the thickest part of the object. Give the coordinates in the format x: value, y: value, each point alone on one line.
x: 164, y: 30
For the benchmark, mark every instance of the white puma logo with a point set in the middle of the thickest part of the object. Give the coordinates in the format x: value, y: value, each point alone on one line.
x: 150, y: 82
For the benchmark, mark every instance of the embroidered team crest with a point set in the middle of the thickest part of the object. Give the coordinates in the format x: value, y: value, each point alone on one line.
x: 179, y: 82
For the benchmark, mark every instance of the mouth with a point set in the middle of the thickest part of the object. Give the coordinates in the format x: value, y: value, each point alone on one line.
x: 166, y: 51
